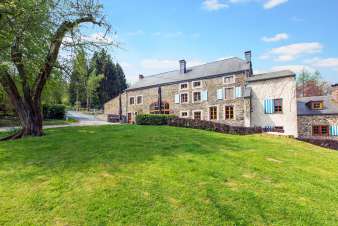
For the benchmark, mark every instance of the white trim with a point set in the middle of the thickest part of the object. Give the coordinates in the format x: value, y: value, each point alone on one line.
x: 193, y: 113
x: 217, y: 112
x: 129, y: 100
x: 187, y: 98
x: 233, y: 95
x: 179, y: 86
x: 196, y: 87
x: 192, y: 96
x: 136, y: 100
x: 184, y: 116
x: 228, y: 76
x: 229, y: 105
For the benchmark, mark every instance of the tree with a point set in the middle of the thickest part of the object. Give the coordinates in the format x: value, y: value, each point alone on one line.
x: 92, y: 84
x: 311, y: 84
x: 31, y: 35
x: 78, y: 79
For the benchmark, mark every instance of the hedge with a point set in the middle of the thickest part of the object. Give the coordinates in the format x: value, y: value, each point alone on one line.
x: 56, y: 111
x: 152, y: 119
x: 213, y: 126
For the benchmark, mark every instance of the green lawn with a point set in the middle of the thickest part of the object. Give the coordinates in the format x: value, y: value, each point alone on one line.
x: 134, y: 175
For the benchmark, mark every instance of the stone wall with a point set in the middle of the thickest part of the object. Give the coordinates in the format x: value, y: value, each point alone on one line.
x: 305, y: 123
x: 150, y: 95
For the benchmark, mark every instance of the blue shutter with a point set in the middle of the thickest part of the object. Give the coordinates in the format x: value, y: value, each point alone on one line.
x: 334, y: 130
x: 268, y: 106
x: 204, y: 96
x: 238, y: 92
x: 220, y: 95
x: 177, y: 98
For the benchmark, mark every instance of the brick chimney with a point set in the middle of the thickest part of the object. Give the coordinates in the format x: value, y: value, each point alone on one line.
x: 183, y: 66
x: 334, y: 92
x: 140, y: 77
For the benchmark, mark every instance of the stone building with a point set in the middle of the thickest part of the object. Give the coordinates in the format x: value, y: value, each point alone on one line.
x: 318, y: 115
x: 225, y: 91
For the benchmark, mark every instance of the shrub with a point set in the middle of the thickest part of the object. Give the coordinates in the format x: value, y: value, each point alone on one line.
x: 56, y: 111
x: 151, y: 119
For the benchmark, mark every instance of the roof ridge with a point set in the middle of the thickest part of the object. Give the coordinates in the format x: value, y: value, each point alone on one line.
x: 153, y: 75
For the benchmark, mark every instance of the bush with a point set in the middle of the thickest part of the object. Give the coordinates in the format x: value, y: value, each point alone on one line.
x: 56, y: 111
x: 150, y: 119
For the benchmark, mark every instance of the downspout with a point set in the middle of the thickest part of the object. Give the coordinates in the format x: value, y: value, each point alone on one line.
x: 120, y: 107
x: 160, y: 99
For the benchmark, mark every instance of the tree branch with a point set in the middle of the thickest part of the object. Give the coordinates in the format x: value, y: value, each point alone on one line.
x: 53, y: 52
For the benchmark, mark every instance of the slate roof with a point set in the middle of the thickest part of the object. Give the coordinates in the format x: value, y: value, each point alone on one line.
x: 217, y: 68
x: 330, y: 107
x: 271, y: 75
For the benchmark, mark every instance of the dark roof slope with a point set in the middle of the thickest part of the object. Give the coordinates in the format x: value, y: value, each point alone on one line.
x: 271, y: 75
x: 227, y: 66
x: 330, y: 107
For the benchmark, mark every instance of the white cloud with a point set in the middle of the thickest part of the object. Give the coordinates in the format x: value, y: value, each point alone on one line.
x: 324, y: 63
x: 273, y: 3
x: 291, y: 52
x: 276, y: 38
x: 173, y: 34
x: 213, y: 5
x: 295, y: 68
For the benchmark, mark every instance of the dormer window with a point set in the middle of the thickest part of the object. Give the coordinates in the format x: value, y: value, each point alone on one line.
x: 317, y: 105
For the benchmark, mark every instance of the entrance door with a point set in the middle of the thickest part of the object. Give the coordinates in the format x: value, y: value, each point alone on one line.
x: 129, y: 118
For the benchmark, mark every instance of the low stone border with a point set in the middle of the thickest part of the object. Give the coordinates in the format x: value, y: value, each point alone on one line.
x: 331, y: 143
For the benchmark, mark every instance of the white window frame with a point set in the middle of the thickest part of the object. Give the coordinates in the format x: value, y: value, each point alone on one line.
x: 192, y: 97
x: 193, y: 113
x: 129, y: 100
x: 187, y: 98
x: 217, y: 106
x: 196, y: 87
x: 179, y: 86
x: 233, y: 95
x: 184, y: 116
x: 141, y: 101
x: 228, y: 76
x: 224, y: 112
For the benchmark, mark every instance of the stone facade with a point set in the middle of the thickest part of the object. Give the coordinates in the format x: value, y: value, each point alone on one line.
x: 211, y: 85
x: 306, y: 122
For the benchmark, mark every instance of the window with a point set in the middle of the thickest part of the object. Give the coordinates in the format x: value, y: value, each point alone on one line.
x: 320, y: 131
x: 197, y: 96
x: 229, y: 112
x: 213, y: 113
x: 196, y: 84
x: 184, y: 98
x: 229, y: 93
x: 184, y: 86
x: 279, y: 129
x: 228, y: 80
x: 197, y: 115
x: 317, y: 105
x: 278, y: 105
x: 139, y: 100
x: 184, y: 114
x: 272, y: 106
x: 131, y: 100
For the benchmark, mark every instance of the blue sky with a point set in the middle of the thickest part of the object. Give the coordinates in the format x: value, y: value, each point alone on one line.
x: 155, y: 34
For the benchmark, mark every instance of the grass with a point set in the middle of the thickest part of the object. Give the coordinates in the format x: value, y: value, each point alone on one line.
x: 134, y: 175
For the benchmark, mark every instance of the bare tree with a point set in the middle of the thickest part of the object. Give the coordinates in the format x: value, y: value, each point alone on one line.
x: 32, y: 34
